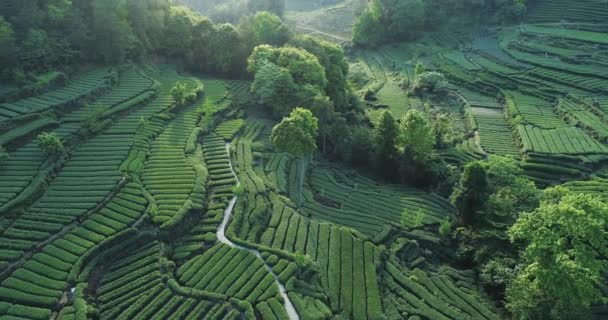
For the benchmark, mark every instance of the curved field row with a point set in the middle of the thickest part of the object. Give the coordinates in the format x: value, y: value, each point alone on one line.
x: 42, y: 279
x: 367, y: 209
x: 431, y: 297
x: 230, y: 271
x: 83, y: 85
x: 26, y: 165
x: 132, y: 289
x: 168, y: 175
x: 131, y: 84
x: 87, y: 178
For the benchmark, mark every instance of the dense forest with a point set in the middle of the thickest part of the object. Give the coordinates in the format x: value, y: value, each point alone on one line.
x: 292, y: 159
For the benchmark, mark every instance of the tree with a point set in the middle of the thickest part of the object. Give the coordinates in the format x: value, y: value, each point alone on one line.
x: 471, y: 192
x: 227, y: 50
x: 50, y: 144
x: 420, y: 69
x: 303, y: 66
x: 323, y: 109
x: 331, y: 57
x: 405, y: 16
x: 114, y: 37
x: 297, y: 135
x: 263, y: 28
x: 286, y: 77
x: 445, y: 130
x: 179, y: 37
x: 274, y: 88
x: 565, y: 256
x: 369, y: 29
x: 7, y: 43
x: 147, y: 18
x: 417, y: 135
x: 386, y: 135
x: 430, y: 81
x: 275, y: 6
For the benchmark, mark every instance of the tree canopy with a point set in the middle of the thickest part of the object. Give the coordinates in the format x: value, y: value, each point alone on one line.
x: 297, y: 134
x: 564, y: 257
x: 417, y: 134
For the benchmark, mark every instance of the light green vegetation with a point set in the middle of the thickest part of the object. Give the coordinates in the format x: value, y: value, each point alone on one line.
x: 395, y: 171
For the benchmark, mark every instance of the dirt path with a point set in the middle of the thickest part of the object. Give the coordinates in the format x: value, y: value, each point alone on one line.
x: 221, y: 236
x: 333, y: 36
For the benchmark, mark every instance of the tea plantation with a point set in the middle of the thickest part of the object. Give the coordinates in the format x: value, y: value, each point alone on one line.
x: 165, y: 209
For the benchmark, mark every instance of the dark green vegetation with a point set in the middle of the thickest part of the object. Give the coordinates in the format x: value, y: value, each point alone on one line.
x: 451, y: 163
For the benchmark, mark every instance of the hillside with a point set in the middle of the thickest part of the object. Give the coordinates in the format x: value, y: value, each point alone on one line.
x: 275, y: 169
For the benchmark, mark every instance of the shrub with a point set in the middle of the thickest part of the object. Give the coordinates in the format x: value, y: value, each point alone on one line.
x: 3, y: 154
x: 50, y: 144
x: 429, y: 82
x: 445, y: 227
x: 181, y: 94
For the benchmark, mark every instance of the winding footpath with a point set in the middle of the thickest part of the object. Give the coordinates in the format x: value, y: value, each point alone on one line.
x: 221, y: 235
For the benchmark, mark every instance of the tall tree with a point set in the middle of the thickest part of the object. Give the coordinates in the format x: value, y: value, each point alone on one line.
x: 386, y: 135
x: 406, y: 17
x: 7, y: 44
x: 369, y: 30
x: 263, y: 28
x: 179, y: 35
x: 471, y: 192
x: 114, y: 38
x: 332, y: 59
x: 274, y: 88
x: 417, y: 135
x: 565, y: 257
x: 297, y: 135
x: 147, y: 18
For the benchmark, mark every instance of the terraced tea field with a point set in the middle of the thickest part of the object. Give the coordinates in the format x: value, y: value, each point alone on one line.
x: 158, y: 210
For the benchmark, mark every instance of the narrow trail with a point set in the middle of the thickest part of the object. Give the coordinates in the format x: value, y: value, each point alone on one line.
x: 323, y: 33
x: 221, y: 235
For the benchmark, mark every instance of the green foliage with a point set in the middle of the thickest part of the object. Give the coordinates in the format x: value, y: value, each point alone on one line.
x: 397, y: 20
x: 499, y: 272
x: 275, y: 6
x: 179, y: 35
x: 433, y: 82
x: 418, y: 218
x: 417, y: 135
x: 406, y: 17
x: 369, y: 30
x: 420, y: 69
x: 114, y: 36
x: 445, y: 227
x: 285, y: 77
x: 471, y: 192
x: 182, y: 94
x: 95, y: 117
x: 263, y: 28
x: 445, y: 130
x: 303, y: 66
x: 4, y: 155
x: 274, y: 88
x: 564, y: 256
x: 297, y: 133
x: 385, y: 138
x: 331, y: 57
x: 50, y: 144
x: 7, y: 43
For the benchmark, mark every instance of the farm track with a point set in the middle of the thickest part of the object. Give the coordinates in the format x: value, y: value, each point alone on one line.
x: 333, y: 36
x: 221, y: 236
